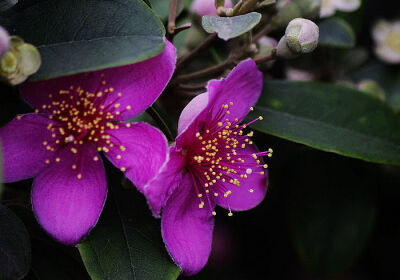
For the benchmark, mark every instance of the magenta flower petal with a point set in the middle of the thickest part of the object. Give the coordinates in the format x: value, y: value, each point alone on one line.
x: 23, y: 146
x: 251, y: 191
x: 241, y: 89
x: 187, y: 229
x: 158, y: 190
x: 191, y: 111
x: 66, y: 201
x: 134, y: 87
x: 140, y: 150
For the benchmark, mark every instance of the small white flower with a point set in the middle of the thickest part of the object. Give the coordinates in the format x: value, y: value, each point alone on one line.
x: 329, y: 7
x: 387, y: 40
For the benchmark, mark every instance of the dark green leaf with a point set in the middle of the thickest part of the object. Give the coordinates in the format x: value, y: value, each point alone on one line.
x: 331, y: 212
x: 335, y: 32
x: 126, y: 243
x: 83, y: 35
x: 331, y: 118
x: 230, y: 27
x: 50, y: 259
x: 15, y: 248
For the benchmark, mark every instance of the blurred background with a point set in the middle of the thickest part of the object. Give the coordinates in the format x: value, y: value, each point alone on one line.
x: 324, y: 217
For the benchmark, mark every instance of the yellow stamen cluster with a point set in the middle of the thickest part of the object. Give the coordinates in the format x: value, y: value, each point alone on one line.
x: 79, y: 117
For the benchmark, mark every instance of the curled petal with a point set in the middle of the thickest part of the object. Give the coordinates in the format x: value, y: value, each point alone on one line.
x: 66, y: 201
x: 187, y: 229
x: 158, y: 190
x: 251, y: 190
x: 140, y: 150
x: 134, y: 87
x: 191, y: 111
x: 24, y: 149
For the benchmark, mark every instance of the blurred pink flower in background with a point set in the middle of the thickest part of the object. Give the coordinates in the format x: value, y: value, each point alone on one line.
x: 207, y: 7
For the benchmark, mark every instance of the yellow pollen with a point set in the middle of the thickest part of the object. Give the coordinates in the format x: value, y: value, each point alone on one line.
x: 95, y: 158
x: 230, y: 214
x: 260, y: 118
x: 118, y: 156
x: 128, y: 107
x: 122, y: 148
x: 79, y: 176
x: 251, y: 108
x: 58, y: 159
x: 251, y: 190
x: 123, y: 169
x: 74, y: 150
x: 220, y: 123
x: 74, y: 166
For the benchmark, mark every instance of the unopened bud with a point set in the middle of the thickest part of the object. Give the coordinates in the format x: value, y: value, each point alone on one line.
x: 19, y: 62
x: 302, y: 35
x: 283, y: 51
x: 4, y: 41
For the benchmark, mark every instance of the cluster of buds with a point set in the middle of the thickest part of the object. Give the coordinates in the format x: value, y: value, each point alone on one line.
x: 20, y: 61
x: 301, y: 36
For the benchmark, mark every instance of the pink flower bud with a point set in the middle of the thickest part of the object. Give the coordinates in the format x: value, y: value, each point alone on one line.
x: 207, y: 7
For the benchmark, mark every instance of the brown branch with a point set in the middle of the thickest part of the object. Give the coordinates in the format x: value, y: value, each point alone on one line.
x: 207, y: 71
x: 266, y: 58
x: 171, y: 19
x: 192, y: 87
x: 189, y: 57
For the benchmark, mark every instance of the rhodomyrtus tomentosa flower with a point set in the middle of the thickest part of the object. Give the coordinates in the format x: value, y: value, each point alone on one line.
x: 207, y: 7
x: 213, y: 162
x: 75, y: 118
x: 387, y: 40
x: 329, y: 7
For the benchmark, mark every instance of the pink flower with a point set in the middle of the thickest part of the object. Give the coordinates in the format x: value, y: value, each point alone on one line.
x: 76, y: 117
x: 213, y: 162
x: 207, y: 7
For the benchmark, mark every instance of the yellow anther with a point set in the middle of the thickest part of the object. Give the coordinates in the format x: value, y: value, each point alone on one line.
x: 95, y: 158
x: 200, y: 195
x: 251, y: 190
x: 260, y: 118
x: 74, y: 150
x: 47, y: 161
x: 230, y: 214
x: 58, y: 159
x: 123, y: 169
x: 220, y: 123
x: 122, y: 148
x: 79, y: 176
x: 251, y: 108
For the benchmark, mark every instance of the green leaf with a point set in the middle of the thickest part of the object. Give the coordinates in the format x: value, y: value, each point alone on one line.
x: 126, y: 243
x: 331, y: 213
x: 76, y: 36
x: 230, y: 27
x: 50, y: 259
x: 335, y: 32
x: 330, y: 118
x: 15, y: 248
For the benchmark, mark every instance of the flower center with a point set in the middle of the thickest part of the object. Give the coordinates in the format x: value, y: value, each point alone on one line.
x: 84, y: 117
x: 223, y: 157
x: 393, y: 41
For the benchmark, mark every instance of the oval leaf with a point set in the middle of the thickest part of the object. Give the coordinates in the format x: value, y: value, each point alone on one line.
x: 15, y: 248
x: 84, y: 35
x: 126, y: 243
x: 331, y: 118
x: 230, y: 27
x: 335, y: 32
